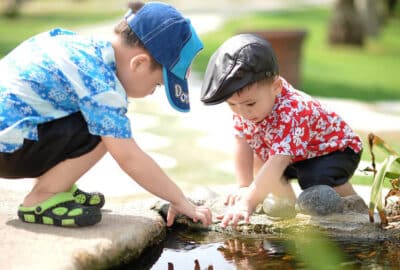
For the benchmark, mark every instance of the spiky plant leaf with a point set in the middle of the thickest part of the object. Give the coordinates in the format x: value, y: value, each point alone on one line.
x: 390, y: 168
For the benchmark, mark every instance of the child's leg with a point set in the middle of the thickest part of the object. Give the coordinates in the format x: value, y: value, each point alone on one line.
x: 64, y: 152
x: 280, y: 202
x: 334, y: 169
x: 61, y: 177
x: 257, y: 164
x: 282, y: 189
x: 345, y: 190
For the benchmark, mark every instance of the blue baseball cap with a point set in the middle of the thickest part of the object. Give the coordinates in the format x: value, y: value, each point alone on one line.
x: 172, y: 41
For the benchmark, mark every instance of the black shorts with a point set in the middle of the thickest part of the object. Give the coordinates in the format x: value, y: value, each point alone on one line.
x: 333, y: 169
x: 60, y: 139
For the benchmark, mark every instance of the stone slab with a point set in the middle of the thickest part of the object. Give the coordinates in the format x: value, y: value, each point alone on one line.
x: 352, y: 224
x: 125, y: 230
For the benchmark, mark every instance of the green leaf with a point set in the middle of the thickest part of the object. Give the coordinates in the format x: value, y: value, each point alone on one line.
x: 393, y: 170
x: 321, y: 254
x: 376, y: 189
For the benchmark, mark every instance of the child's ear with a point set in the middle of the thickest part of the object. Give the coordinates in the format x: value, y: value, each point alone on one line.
x: 277, y: 85
x: 139, y: 62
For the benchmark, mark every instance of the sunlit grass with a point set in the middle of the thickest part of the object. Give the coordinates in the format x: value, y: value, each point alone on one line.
x: 41, y: 15
x: 195, y: 164
x: 369, y: 73
x: 393, y: 139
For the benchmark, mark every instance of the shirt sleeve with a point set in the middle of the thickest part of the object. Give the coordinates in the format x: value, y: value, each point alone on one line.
x: 102, y: 99
x: 106, y: 119
x: 292, y: 135
x: 238, y: 126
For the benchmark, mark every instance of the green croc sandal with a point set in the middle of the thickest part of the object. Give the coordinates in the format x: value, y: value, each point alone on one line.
x: 95, y: 199
x: 60, y: 210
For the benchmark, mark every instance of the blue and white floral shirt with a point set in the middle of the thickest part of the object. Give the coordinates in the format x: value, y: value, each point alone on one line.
x: 55, y: 74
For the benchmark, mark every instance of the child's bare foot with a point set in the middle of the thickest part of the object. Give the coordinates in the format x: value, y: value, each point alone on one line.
x: 36, y: 197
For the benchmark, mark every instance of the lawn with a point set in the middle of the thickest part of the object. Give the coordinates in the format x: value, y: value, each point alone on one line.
x: 369, y: 73
x: 40, y: 15
x: 393, y: 138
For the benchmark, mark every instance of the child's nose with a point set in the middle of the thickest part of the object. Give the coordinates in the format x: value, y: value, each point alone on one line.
x: 245, y: 112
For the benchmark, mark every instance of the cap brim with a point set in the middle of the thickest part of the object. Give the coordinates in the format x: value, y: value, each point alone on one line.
x: 177, y: 91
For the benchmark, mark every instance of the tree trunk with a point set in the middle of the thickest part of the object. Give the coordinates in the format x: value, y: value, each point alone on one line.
x: 383, y: 11
x: 346, y: 25
x: 368, y: 10
x: 391, y: 6
x: 10, y: 8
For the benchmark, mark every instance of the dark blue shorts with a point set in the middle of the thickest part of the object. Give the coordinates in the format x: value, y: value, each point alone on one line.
x: 60, y: 139
x: 333, y: 169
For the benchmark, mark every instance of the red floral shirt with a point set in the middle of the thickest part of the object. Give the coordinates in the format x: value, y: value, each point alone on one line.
x: 298, y: 126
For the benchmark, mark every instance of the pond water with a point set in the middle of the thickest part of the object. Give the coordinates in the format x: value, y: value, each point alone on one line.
x: 185, y: 249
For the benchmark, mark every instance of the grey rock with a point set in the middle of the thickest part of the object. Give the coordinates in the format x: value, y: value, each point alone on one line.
x: 392, y: 208
x: 319, y: 200
x: 354, y: 203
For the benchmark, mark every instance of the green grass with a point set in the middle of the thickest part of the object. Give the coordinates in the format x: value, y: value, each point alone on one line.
x: 195, y: 165
x: 393, y: 139
x: 369, y: 73
x: 41, y: 15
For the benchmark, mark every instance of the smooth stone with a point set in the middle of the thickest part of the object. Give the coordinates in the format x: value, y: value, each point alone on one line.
x: 276, y: 207
x: 354, y: 203
x: 319, y: 200
x: 393, y: 206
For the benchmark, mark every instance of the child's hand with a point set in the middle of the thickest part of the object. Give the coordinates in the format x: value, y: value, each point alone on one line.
x: 196, y: 213
x: 241, y: 210
x: 235, y: 196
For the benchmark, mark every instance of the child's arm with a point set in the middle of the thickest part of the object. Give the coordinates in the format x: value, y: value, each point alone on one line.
x: 268, y: 180
x: 243, y: 161
x: 145, y: 171
x: 243, y: 158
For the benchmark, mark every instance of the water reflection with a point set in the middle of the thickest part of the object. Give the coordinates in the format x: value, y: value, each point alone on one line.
x: 256, y: 254
x: 196, y: 266
x: 195, y: 250
x: 205, y: 251
x: 382, y: 255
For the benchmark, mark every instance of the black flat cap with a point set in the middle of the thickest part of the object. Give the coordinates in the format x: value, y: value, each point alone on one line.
x: 239, y: 61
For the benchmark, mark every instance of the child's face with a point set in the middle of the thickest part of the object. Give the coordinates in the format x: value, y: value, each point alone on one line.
x: 142, y: 78
x: 147, y: 83
x: 256, y: 101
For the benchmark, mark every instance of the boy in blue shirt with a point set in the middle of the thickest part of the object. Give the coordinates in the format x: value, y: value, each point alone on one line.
x: 63, y: 104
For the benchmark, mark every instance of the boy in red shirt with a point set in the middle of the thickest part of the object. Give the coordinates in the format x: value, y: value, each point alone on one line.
x: 281, y: 133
